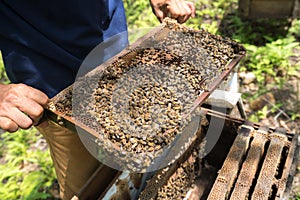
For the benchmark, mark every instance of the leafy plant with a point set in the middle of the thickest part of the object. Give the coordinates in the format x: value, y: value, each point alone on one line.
x: 139, y: 14
x: 3, y: 76
x: 267, y: 60
x: 26, y: 172
x: 295, y: 28
x: 259, y: 115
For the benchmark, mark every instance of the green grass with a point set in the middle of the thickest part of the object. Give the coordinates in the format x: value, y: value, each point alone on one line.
x: 26, y: 169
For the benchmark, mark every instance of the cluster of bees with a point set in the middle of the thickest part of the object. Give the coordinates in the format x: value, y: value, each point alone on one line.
x: 138, y: 102
x: 170, y: 184
x: 181, y: 181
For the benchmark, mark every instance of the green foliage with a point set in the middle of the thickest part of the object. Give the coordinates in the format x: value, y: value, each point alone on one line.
x: 269, y: 44
x: 26, y: 172
x: 295, y: 116
x: 295, y: 28
x: 140, y: 19
x: 267, y: 60
x: 208, y: 13
x: 3, y: 76
x: 297, y: 197
x: 264, y: 112
x: 261, y: 114
x: 139, y: 14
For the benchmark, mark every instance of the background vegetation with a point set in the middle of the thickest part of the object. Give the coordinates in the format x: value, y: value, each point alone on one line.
x: 25, y: 164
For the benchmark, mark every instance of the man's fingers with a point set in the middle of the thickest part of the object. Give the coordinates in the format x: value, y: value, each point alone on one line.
x: 20, y: 106
x: 160, y: 14
x: 24, y: 100
x: 173, y: 9
x: 33, y: 94
x: 32, y: 109
x: 192, y: 8
x: 180, y: 10
x: 8, y: 125
x: 16, y: 116
x: 177, y: 9
x: 186, y: 13
x: 39, y: 97
x: 20, y: 118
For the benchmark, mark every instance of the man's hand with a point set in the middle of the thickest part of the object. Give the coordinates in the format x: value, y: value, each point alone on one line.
x: 21, y: 106
x: 177, y: 9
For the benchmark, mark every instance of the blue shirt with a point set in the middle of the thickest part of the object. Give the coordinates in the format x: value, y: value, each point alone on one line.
x: 44, y: 43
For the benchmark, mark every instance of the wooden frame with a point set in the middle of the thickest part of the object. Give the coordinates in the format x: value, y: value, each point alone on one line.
x: 269, y: 8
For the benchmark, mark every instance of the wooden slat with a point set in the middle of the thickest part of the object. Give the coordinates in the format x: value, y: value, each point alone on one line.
x: 274, y: 8
x: 250, y: 165
x: 267, y: 174
x: 98, y: 183
x: 228, y: 173
x: 244, y: 6
x: 269, y: 8
x: 296, y: 10
x: 289, y: 170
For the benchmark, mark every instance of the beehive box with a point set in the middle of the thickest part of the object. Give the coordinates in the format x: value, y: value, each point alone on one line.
x: 138, y: 105
x: 269, y: 8
x: 249, y: 161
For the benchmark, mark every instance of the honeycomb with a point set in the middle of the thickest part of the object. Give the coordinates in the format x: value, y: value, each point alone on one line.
x: 257, y: 165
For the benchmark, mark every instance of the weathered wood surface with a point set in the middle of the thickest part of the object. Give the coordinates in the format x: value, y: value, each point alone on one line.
x: 269, y: 8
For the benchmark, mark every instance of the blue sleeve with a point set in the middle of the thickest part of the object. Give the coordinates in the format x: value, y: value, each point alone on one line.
x: 43, y: 43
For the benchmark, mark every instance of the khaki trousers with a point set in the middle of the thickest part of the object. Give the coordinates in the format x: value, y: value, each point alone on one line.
x: 72, y: 162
